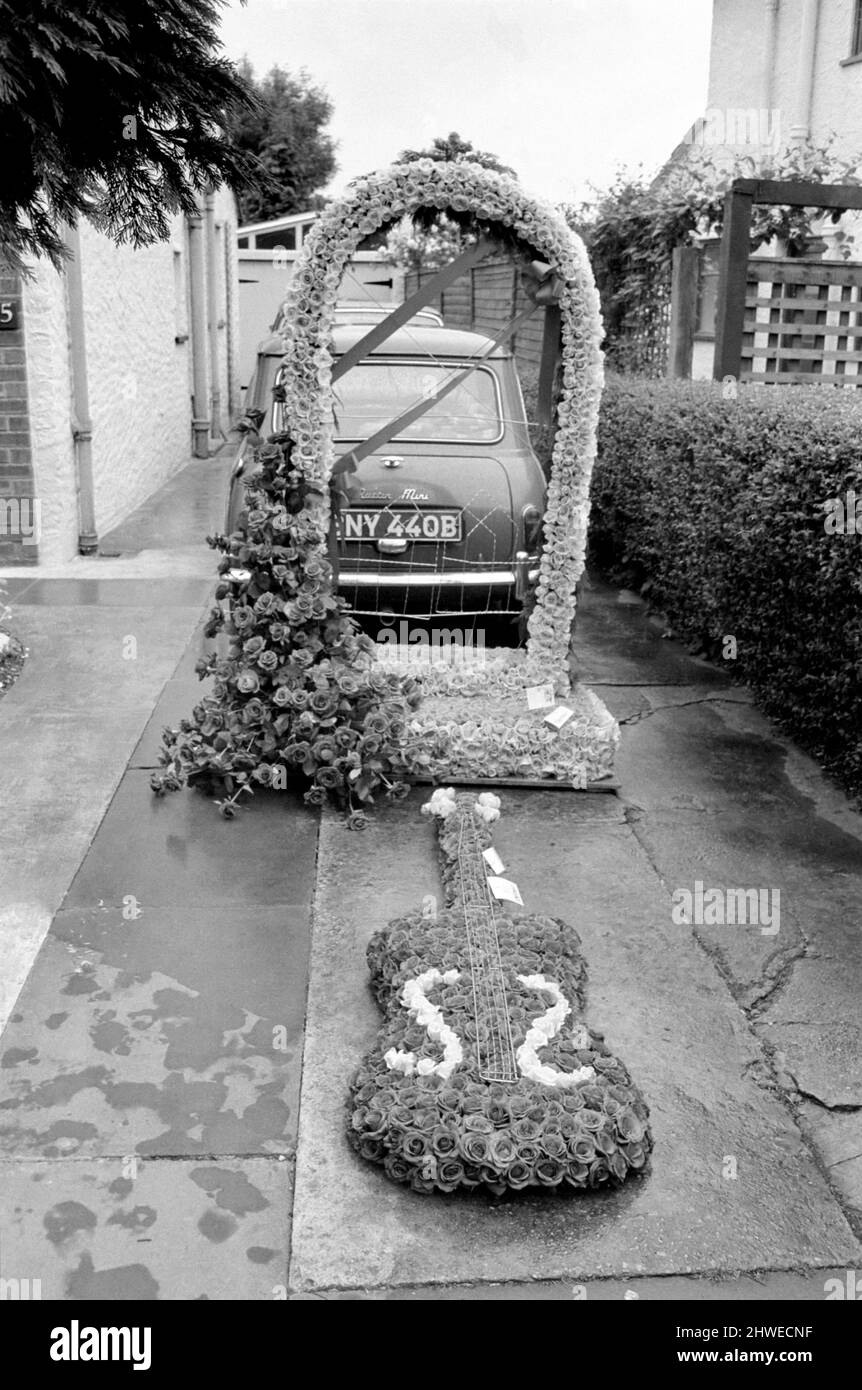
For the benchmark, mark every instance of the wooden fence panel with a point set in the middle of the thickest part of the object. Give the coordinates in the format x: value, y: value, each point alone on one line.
x: 486, y: 299
x: 802, y: 323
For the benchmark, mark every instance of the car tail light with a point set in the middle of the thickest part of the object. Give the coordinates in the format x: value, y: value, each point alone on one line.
x: 532, y: 522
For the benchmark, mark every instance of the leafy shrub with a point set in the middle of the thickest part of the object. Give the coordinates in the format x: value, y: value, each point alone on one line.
x: 717, y: 509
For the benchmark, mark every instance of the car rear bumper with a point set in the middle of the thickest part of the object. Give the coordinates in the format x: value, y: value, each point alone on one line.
x: 451, y: 579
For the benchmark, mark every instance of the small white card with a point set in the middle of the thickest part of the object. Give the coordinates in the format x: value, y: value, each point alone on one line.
x: 540, y: 696
x: 559, y: 716
x: 493, y: 860
x: 505, y: 890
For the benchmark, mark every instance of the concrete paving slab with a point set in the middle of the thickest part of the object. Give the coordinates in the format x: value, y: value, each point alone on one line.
x: 837, y: 1136
x: 763, y: 1288
x: 59, y: 772
x: 653, y: 992
x: 620, y: 642
x: 134, y: 1230
x: 116, y: 593
x: 108, y: 1052
x: 188, y: 561
x: 164, y: 850
x: 176, y: 702
x: 92, y: 659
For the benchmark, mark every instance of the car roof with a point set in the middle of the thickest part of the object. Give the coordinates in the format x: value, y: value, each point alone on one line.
x: 360, y: 309
x: 413, y: 340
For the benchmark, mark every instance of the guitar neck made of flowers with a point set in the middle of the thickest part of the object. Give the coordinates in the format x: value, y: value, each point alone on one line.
x: 463, y: 832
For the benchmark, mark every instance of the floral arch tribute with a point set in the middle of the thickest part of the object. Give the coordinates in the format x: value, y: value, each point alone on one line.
x: 474, y: 719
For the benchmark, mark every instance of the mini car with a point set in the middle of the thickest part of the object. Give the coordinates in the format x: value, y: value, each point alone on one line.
x: 445, y: 517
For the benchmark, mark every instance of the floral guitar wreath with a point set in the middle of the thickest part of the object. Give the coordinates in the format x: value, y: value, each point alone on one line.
x: 484, y: 1073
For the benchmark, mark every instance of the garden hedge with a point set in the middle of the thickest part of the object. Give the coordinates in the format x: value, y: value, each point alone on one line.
x: 715, y: 507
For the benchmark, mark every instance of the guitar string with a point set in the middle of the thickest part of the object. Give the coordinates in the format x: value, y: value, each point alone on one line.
x: 489, y: 990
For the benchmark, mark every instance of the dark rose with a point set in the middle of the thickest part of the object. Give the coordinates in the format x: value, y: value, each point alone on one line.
x: 502, y: 1149
x: 553, y: 1145
x: 450, y: 1172
x: 371, y: 1148
x: 549, y: 1171
x: 376, y: 1121
x: 618, y: 1165
x: 397, y: 1167
x: 582, y: 1149
x: 520, y: 1174
x: 415, y: 1146
x: 449, y: 1099
x: 242, y: 617
x: 478, y: 1124
x: 591, y: 1119
x: 629, y: 1127
x: 573, y: 1101
x: 498, y: 1113
x: 526, y: 1129
x: 604, y: 1141
x: 576, y: 1175
x: 471, y: 1104
x: 474, y: 1147
x: 444, y: 1140
x: 424, y: 1120
x: 529, y: 1152
x: 599, y: 1172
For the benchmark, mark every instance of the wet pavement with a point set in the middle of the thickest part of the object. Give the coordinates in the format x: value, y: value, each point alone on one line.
x: 162, y: 1023
x: 157, y: 954
x: 745, y: 1042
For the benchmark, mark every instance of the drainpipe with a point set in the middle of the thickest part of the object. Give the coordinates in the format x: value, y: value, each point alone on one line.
x: 212, y: 262
x: 198, y: 315
x: 769, y: 39
x: 82, y: 424
x: 801, y: 128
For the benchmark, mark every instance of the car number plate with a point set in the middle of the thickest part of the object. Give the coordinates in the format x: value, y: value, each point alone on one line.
x: 430, y: 524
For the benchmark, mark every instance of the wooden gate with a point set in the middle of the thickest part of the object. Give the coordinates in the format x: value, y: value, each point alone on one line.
x: 802, y: 323
x: 807, y: 325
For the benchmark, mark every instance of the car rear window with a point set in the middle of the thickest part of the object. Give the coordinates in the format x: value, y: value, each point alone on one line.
x: 373, y: 393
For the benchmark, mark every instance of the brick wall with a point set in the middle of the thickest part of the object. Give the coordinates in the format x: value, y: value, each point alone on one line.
x: 17, y: 535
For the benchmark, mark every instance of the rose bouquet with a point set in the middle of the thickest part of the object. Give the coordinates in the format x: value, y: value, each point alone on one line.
x: 298, y: 693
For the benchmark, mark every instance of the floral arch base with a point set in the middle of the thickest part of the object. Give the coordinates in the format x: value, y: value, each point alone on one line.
x: 474, y: 721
